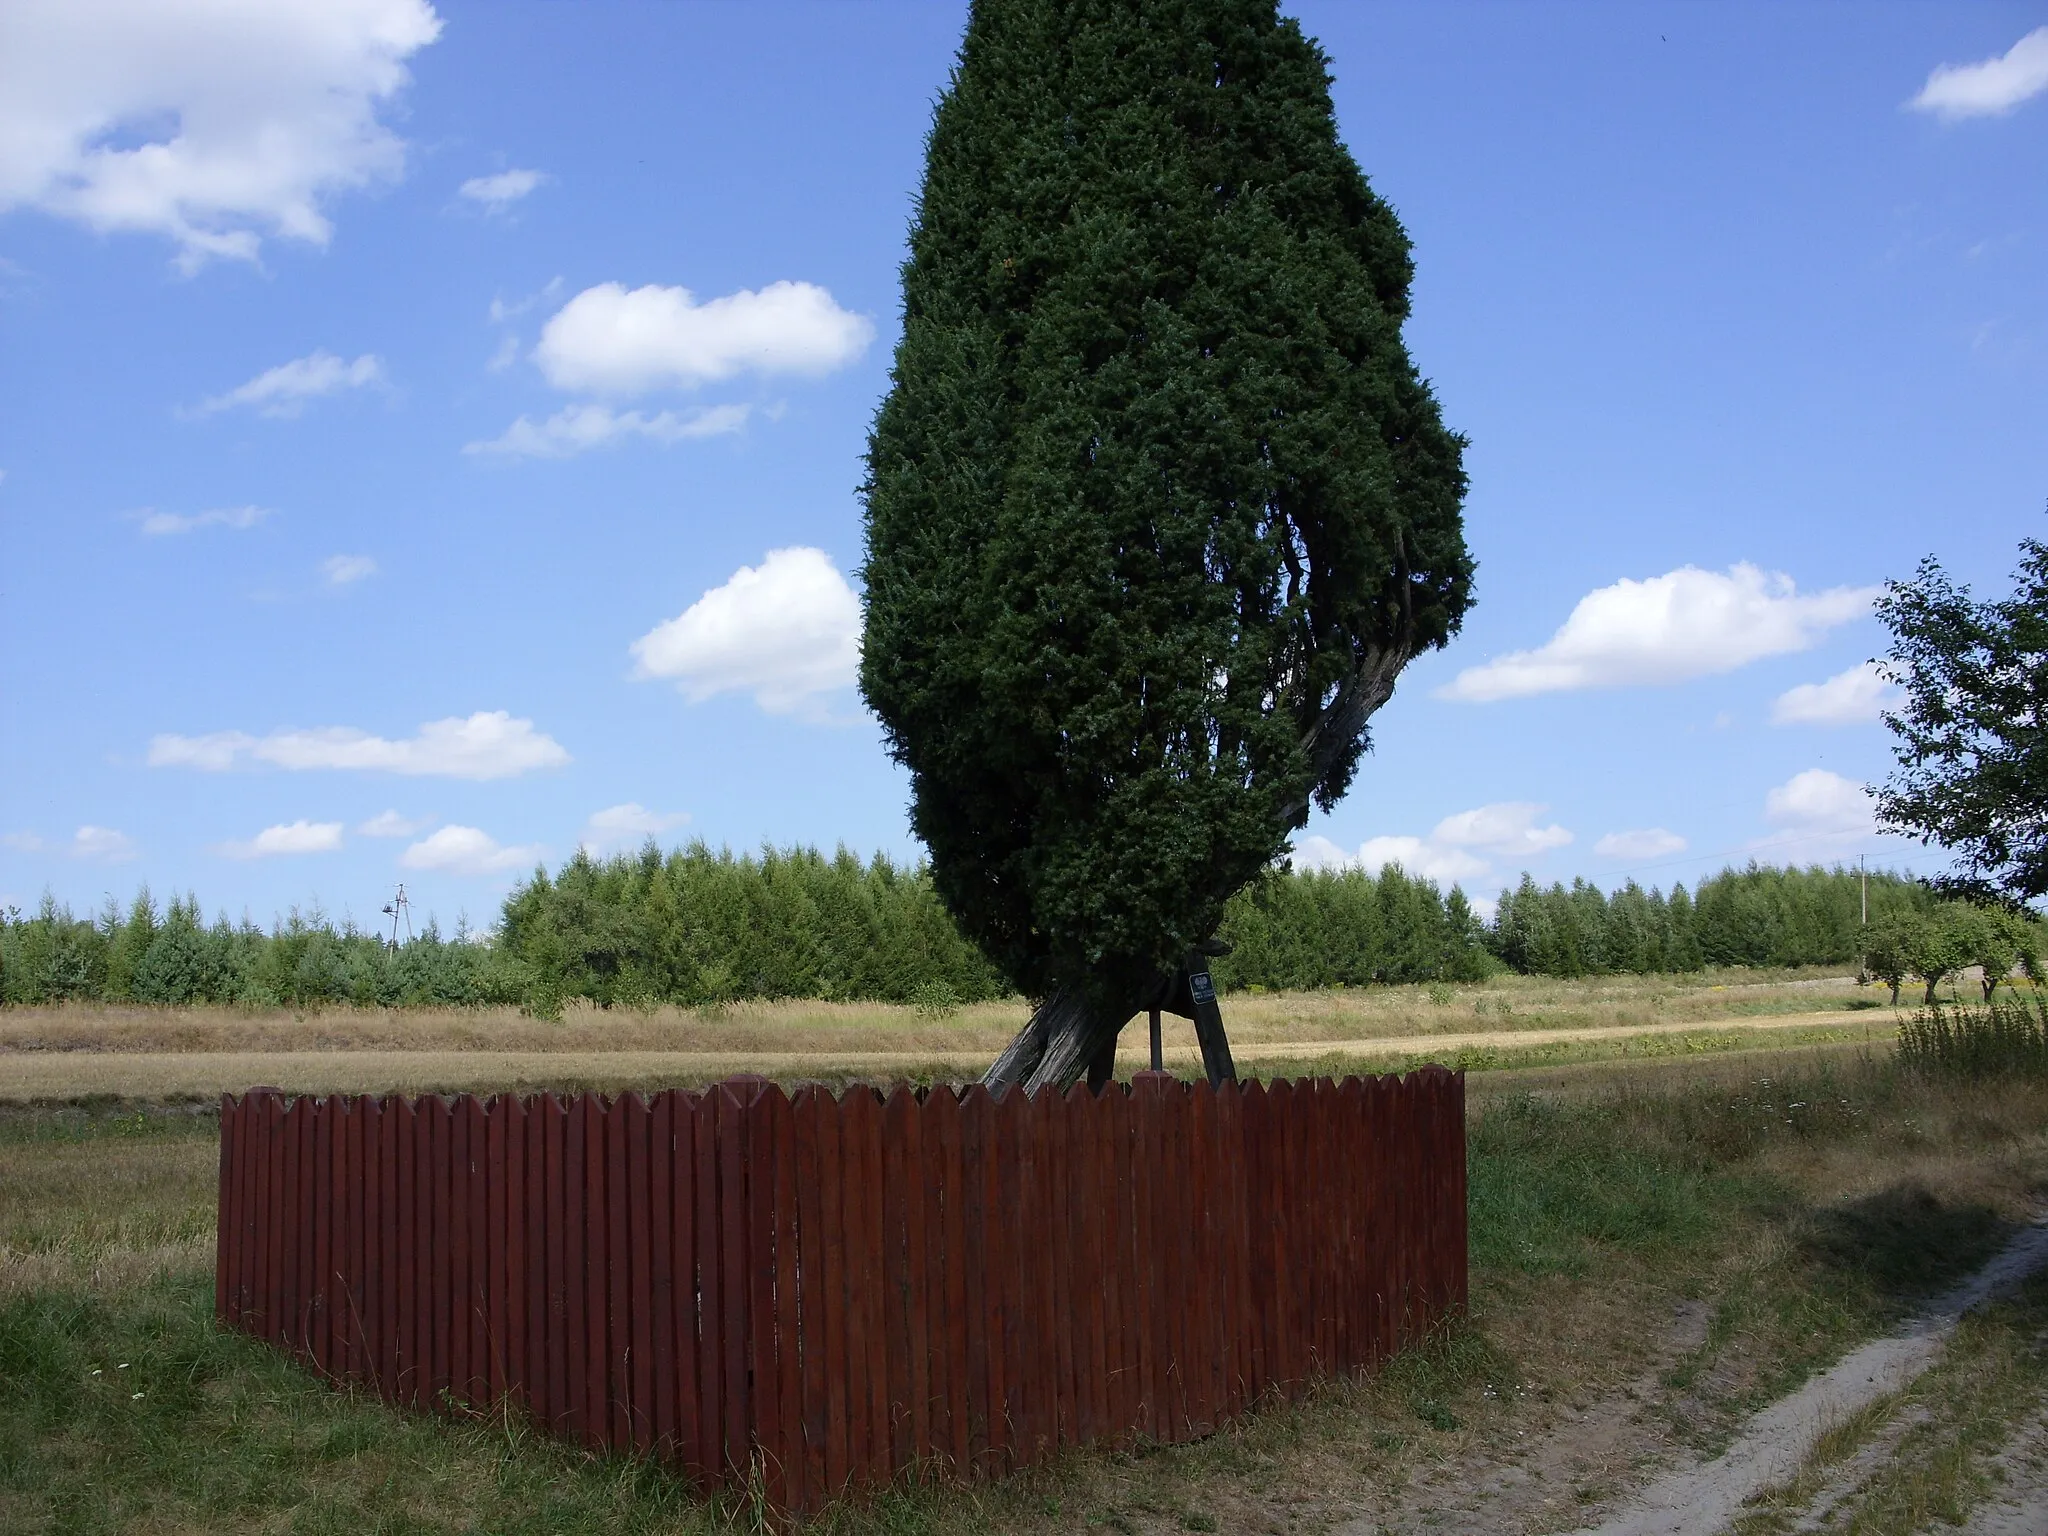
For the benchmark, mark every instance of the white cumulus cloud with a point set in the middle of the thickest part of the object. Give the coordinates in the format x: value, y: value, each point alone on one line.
x: 102, y: 845
x: 786, y: 630
x: 391, y: 824
x: 577, y: 428
x: 486, y: 745
x: 1848, y: 698
x: 1990, y: 87
x: 618, y: 825
x: 1641, y: 843
x: 1687, y: 623
x: 503, y: 189
x: 285, y: 389
x: 1820, y: 809
x: 157, y: 524
x: 1459, y: 849
x: 340, y: 570
x: 458, y: 850
x: 612, y: 340
x: 212, y: 122
x: 286, y: 838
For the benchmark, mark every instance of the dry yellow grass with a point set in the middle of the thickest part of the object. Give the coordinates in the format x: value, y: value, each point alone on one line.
x: 106, y: 1212
x: 176, y: 1075
x: 77, y: 1051
x: 808, y: 1027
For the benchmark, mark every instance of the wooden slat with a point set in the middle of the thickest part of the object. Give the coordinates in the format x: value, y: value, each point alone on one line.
x: 687, y: 1240
x: 497, y: 1293
x: 617, y: 1241
x: 573, y: 1411
x: 306, y: 1223
x: 513, y: 1277
x: 451, y: 1272
x: 843, y: 1405
x: 946, y: 1234
x: 1057, y: 1122
x: 1203, y: 1313
x: 898, y: 1112
x: 401, y: 1137
x: 1178, y: 1255
x: 757, y: 1144
x: 595, y: 1340
x: 552, y: 1362
x: 1147, y: 1174
x: 734, y: 1331
x: 632, y: 1109
x: 661, y: 1301
x: 384, y: 1364
x: 881, y: 1461
x: 288, y: 1247
x: 977, y: 1191
x: 369, y: 1121
x: 790, y: 1454
x: 1008, y: 1219
x: 711, y: 1288
x: 810, y: 1229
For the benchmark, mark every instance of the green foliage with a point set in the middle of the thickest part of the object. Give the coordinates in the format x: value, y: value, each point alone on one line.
x: 175, y: 958
x: 1318, y: 928
x: 1157, y: 506
x: 1755, y: 916
x: 704, y: 929
x: 1972, y: 752
x: 2005, y: 1038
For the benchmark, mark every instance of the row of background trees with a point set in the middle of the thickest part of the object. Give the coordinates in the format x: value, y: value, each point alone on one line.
x: 702, y: 928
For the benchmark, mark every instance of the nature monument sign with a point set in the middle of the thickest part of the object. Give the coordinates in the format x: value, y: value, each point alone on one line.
x: 1157, y: 505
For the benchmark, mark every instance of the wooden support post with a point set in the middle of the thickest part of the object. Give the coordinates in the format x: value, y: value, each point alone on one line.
x: 1158, y: 1062
x: 1208, y: 1017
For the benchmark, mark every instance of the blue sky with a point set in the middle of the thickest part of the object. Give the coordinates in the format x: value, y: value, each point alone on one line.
x: 430, y: 436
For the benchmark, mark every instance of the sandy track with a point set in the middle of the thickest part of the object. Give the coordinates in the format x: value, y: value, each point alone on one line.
x: 1705, y: 1500
x: 30, y: 1075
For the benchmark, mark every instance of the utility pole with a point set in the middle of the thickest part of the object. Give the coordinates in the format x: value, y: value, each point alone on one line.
x: 1866, y: 889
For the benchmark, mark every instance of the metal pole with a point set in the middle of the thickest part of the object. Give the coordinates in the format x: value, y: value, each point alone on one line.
x: 1158, y: 1064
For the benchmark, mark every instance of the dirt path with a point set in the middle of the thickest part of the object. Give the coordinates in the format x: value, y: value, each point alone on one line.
x: 2020, y: 1507
x: 27, y: 1075
x: 1704, y: 1500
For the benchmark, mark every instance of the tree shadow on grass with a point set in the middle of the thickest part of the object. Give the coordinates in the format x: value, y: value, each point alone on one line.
x: 1906, y: 1243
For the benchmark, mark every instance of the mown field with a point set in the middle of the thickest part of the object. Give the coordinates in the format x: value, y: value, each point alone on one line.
x: 1659, y: 1246
x: 81, y: 1051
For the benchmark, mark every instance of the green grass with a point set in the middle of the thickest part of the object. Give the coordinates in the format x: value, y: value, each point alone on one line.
x: 1804, y: 1211
x: 2007, y: 1036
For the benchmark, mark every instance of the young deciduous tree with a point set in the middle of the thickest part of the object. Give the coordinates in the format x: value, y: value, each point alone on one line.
x: 1157, y: 506
x: 1973, y: 740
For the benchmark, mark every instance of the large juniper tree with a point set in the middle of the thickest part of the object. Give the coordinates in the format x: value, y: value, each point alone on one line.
x: 1157, y: 507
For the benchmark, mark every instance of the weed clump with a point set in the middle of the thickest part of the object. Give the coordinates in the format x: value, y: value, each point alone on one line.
x: 2008, y: 1037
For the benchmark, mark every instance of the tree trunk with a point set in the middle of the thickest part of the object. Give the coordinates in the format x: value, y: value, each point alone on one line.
x: 1068, y: 1034
x: 1932, y: 983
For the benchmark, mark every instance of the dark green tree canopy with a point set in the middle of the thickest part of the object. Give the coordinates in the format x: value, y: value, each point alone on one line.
x: 1158, y: 506
x: 1973, y: 729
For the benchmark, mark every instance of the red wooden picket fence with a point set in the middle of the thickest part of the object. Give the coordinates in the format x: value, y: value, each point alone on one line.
x: 805, y: 1296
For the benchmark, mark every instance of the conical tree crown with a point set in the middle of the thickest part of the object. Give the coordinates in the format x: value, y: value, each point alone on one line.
x: 1157, y: 505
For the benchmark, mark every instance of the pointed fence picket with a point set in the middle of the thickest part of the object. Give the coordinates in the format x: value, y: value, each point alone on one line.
x: 815, y: 1295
